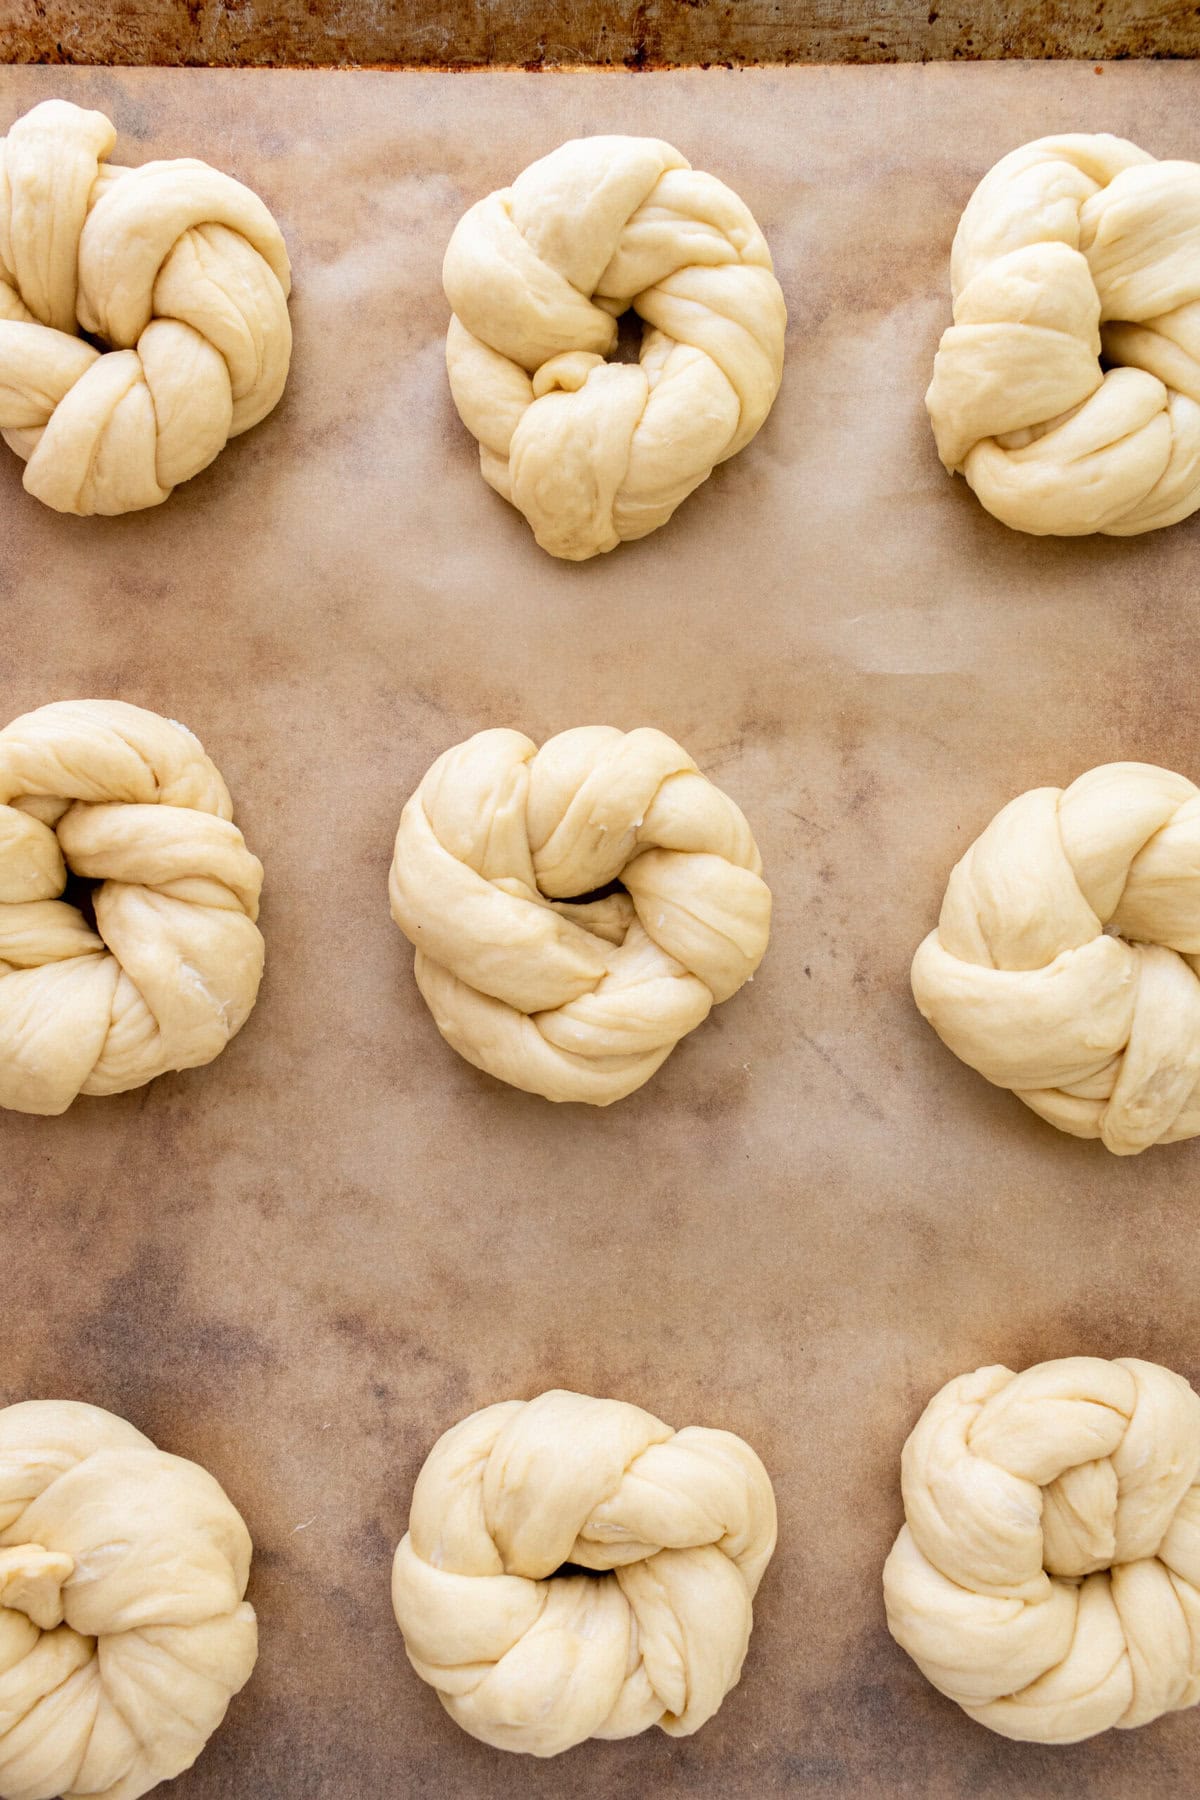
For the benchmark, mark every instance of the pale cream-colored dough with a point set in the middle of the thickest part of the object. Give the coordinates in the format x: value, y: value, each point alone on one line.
x: 593, y: 452
x: 576, y: 1001
x: 683, y: 1521
x: 1073, y: 250
x: 171, y: 971
x: 179, y: 269
x: 1047, y: 1574
x: 124, y: 1631
x: 1066, y: 960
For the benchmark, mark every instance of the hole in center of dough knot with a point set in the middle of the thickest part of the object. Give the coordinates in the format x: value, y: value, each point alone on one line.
x: 80, y: 892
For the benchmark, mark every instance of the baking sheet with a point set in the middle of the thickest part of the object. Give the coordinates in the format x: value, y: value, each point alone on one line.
x: 547, y: 33
x: 301, y: 1264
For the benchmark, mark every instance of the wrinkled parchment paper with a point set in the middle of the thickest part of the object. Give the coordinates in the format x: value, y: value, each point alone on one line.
x: 301, y: 1264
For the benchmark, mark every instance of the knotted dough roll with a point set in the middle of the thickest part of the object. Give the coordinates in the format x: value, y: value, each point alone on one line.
x: 683, y: 1523
x: 594, y: 453
x: 566, y: 995
x: 1067, y: 391
x: 124, y: 1632
x: 1065, y: 961
x: 1047, y: 1574
x: 171, y: 969
x: 180, y: 270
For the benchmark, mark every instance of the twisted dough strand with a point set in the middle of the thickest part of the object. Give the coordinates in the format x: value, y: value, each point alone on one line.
x: 1070, y: 249
x: 684, y: 1523
x: 597, y: 453
x: 179, y: 268
x: 1066, y: 960
x: 1047, y: 1577
x: 576, y: 1001
x: 124, y: 1631
x: 171, y: 971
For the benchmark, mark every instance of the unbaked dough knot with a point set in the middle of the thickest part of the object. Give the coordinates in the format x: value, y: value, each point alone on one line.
x: 678, y: 1528
x: 171, y: 969
x: 179, y: 270
x: 124, y: 1631
x: 1065, y: 963
x: 528, y: 973
x: 1047, y: 1574
x: 595, y: 452
x: 1067, y: 391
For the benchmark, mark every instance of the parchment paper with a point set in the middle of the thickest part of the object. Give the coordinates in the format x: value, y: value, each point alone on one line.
x: 301, y: 1264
